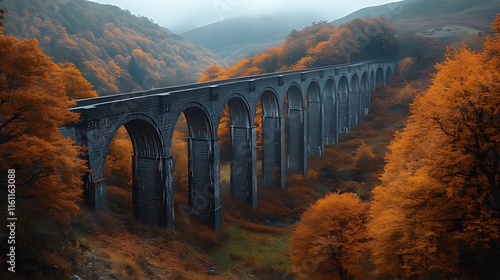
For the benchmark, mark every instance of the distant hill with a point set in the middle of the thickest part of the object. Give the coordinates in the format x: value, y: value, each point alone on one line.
x: 318, y: 44
x: 412, y: 16
x: 238, y: 37
x: 366, y: 13
x: 115, y: 50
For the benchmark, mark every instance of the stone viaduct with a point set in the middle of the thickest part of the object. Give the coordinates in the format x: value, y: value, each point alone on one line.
x: 302, y: 111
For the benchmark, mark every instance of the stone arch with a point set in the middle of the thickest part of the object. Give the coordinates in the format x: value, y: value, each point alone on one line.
x: 243, y: 184
x: 198, y: 122
x: 270, y: 103
x: 148, y: 167
x: 152, y: 127
x: 343, y: 105
x: 203, y: 167
x: 331, y: 112
x: 294, y: 96
x: 238, y: 108
x: 364, y: 89
x: 314, y: 118
x: 354, y: 100
x: 273, y: 169
x: 295, y: 122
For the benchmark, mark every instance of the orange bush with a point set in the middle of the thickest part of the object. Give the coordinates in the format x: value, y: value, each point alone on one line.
x: 331, y: 239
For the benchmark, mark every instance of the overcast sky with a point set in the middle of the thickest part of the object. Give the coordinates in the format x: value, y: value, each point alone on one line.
x: 182, y: 15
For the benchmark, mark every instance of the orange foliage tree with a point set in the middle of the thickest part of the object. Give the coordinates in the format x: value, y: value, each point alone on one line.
x: 438, y: 205
x: 118, y: 167
x: 33, y: 105
x: 330, y: 241
x: 74, y: 85
x: 180, y: 153
x: 364, y: 159
x: 224, y: 134
x: 210, y: 73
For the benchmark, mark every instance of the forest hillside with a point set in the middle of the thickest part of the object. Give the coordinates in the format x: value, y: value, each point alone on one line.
x: 240, y: 36
x: 115, y: 50
x: 318, y: 44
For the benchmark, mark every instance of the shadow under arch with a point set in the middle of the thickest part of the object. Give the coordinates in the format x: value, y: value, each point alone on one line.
x: 295, y: 123
x: 314, y: 119
x: 203, y: 169
x: 388, y: 73
x: 354, y: 101
x: 373, y: 83
x: 273, y: 169
x: 343, y: 105
x: 364, y: 92
x: 331, y: 113
x: 243, y: 185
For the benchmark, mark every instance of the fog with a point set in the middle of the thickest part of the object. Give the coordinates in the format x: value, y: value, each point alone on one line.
x: 182, y: 15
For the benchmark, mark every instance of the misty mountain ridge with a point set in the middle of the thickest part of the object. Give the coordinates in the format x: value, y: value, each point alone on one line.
x: 239, y: 36
x: 120, y: 52
x: 236, y: 38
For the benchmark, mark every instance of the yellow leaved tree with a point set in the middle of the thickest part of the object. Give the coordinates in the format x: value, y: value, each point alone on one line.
x: 330, y: 241
x: 437, y: 209
x: 34, y: 103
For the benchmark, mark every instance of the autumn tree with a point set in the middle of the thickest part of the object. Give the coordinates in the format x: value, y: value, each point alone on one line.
x: 211, y: 73
x: 33, y: 105
x: 180, y: 153
x: 118, y: 167
x: 224, y: 133
x: 74, y: 85
x: 329, y: 242
x: 437, y: 209
x: 364, y: 159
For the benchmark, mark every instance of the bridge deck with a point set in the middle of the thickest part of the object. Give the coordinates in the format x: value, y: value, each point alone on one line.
x: 88, y: 102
